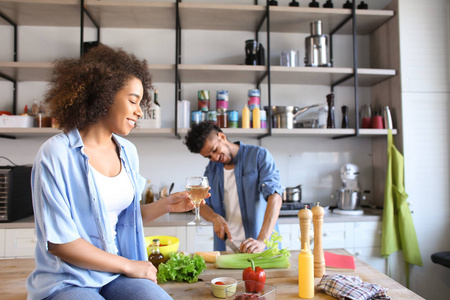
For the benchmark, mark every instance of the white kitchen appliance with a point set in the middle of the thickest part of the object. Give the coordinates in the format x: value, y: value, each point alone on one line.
x: 349, y: 196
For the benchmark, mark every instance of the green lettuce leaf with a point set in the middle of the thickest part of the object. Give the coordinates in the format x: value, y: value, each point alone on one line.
x: 182, y: 268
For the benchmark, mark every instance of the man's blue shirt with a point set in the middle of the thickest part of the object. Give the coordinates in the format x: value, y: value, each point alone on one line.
x: 256, y: 179
x: 68, y: 206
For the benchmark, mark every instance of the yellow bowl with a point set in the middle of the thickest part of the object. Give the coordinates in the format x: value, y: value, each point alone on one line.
x: 168, y: 244
x: 218, y: 290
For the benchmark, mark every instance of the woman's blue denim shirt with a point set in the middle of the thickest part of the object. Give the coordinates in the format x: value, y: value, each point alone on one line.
x: 68, y: 206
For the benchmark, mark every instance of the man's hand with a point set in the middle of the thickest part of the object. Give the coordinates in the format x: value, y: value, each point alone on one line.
x: 221, y: 227
x: 251, y: 245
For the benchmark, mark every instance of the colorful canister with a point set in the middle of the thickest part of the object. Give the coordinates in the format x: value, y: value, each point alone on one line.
x: 254, y: 99
x: 233, y: 119
x: 263, y: 115
x: 222, y: 99
x: 203, y: 100
x: 196, y: 117
x: 212, y: 116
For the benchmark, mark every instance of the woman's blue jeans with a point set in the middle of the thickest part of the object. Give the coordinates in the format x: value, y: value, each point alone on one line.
x: 122, y: 288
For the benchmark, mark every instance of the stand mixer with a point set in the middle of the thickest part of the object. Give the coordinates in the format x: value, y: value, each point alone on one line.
x: 349, y: 196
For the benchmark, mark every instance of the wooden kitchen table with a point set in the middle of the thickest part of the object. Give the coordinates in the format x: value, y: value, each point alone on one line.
x: 13, y: 273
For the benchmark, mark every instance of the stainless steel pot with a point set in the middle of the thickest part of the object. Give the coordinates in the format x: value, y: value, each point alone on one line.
x: 292, y: 194
x: 348, y: 199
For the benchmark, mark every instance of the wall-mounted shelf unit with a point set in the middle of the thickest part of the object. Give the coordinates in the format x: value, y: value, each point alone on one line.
x: 203, y: 16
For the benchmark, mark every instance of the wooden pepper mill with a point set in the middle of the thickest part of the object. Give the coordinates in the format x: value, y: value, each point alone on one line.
x: 305, y: 215
x: 319, y: 259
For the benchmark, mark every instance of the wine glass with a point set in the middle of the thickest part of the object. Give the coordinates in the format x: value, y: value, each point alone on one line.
x: 198, y: 188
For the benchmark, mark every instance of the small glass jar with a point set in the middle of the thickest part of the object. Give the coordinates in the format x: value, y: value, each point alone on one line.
x: 222, y: 118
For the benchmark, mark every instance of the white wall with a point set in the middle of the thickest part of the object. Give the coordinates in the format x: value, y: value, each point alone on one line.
x: 425, y: 67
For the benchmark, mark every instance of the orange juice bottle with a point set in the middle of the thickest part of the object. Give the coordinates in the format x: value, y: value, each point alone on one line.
x: 305, y: 273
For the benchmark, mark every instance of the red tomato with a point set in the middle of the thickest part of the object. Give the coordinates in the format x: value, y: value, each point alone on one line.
x: 220, y: 283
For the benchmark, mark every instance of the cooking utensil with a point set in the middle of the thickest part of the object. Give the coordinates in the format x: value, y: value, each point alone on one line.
x: 171, y: 188
x: 292, y: 194
x: 231, y: 244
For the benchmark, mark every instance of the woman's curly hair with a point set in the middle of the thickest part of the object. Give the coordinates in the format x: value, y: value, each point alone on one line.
x: 82, y: 90
x: 197, y: 135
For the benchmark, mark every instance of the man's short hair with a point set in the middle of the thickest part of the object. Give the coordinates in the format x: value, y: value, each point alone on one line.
x: 197, y: 135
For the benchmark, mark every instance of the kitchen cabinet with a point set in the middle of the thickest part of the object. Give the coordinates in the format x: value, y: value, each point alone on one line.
x: 200, y: 238
x: 2, y: 242
x: 20, y: 242
x: 362, y: 239
x: 203, y: 16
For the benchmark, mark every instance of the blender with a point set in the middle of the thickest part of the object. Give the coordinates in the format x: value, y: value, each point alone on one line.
x: 349, y: 196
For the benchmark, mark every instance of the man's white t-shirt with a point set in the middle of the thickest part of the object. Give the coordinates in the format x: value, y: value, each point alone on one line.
x: 232, y: 207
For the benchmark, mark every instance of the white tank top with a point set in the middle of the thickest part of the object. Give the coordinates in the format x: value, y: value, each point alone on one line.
x: 232, y: 207
x: 117, y: 193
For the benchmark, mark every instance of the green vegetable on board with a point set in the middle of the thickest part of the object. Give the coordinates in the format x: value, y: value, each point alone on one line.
x: 181, y: 267
x: 272, y: 257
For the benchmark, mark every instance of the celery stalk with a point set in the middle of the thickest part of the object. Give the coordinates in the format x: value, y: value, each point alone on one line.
x: 270, y: 258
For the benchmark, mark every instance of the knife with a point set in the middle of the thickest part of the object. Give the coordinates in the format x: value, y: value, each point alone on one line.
x: 231, y: 244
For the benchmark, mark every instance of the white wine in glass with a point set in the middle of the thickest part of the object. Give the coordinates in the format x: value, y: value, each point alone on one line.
x: 198, y: 188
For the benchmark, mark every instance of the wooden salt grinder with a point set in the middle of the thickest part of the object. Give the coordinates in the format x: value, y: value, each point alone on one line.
x: 319, y: 259
x: 305, y: 216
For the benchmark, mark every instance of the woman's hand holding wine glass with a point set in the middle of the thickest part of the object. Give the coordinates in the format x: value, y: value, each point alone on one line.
x: 197, y: 188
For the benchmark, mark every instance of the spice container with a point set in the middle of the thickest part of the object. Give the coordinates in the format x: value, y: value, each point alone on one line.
x: 233, y: 119
x: 222, y: 100
x: 263, y: 115
x: 203, y: 100
x: 212, y: 116
x: 196, y: 117
x: 222, y: 118
x: 254, y: 99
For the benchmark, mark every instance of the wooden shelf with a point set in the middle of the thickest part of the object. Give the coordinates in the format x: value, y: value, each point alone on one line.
x: 39, y: 71
x: 42, y: 12
x: 297, y: 19
x: 327, y: 76
x: 230, y: 132
x: 280, y: 75
x: 133, y: 14
x: 202, y: 16
x: 220, y: 73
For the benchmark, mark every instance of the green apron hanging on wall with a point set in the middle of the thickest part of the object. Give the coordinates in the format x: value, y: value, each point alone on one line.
x: 398, y: 227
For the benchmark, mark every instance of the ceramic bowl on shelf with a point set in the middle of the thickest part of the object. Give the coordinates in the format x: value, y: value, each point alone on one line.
x: 168, y: 244
x: 241, y: 291
x: 220, y: 284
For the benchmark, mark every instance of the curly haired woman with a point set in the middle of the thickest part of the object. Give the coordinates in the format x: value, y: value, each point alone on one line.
x: 86, y: 184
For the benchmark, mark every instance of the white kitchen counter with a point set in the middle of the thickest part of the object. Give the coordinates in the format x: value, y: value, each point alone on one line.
x: 181, y: 219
